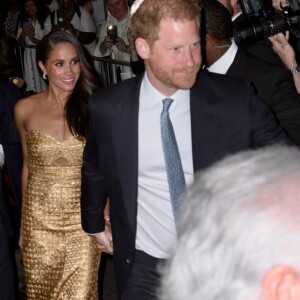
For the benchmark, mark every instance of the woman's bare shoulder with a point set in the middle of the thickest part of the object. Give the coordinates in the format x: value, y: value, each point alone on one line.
x: 29, y: 104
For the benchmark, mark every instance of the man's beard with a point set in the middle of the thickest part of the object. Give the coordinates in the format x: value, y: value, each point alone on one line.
x: 171, y: 80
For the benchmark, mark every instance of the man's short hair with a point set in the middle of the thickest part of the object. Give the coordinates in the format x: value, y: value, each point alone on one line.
x: 216, y: 19
x: 146, y: 20
x: 239, y: 219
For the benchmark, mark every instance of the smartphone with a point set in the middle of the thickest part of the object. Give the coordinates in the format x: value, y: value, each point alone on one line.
x: 112, y: 32
x: 27, y: 23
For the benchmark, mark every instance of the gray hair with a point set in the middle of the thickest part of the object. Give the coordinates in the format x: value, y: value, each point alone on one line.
x: 239, y: 218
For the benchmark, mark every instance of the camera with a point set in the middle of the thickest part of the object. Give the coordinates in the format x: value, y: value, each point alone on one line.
x: 112, y: 32
x: 263, y: 20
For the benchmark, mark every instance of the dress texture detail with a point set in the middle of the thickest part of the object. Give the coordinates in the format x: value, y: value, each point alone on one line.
x: 60, y: 260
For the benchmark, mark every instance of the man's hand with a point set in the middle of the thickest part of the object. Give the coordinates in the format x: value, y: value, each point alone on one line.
x: 120, y: 44
x: 103, y: 240
x: 283, y: 49
x: 279, y: 4
x: 287, y: 54
x: 108, y: 42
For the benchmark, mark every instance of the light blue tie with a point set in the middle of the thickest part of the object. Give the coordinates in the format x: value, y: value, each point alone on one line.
x: 174, y: 169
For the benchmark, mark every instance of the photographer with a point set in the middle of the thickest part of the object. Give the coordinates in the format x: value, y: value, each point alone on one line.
x: 274, y: 84
x: 113, y: 36
x: 74, y: 19
x: 260, y: 49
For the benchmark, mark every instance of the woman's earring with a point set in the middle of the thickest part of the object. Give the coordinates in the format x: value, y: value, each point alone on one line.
x: 45, y: 76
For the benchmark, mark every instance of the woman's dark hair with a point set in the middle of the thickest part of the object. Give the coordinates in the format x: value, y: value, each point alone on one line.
x: 41, y: 13
x: 76, y: 109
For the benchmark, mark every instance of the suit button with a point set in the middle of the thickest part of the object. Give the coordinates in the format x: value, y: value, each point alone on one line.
x: 128, y: 261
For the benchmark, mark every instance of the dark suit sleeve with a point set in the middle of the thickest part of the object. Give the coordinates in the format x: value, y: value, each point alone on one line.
x: 9, y: 95
x: 8, y: 131
x: 275, y: 85
x: 285, y: 102
x: 265, y: 127
x: 93, y: 188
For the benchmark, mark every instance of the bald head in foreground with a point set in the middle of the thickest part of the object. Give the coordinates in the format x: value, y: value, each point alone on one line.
x: 239, y: 237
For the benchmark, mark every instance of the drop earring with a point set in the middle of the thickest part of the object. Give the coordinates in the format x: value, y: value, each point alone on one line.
x: 45, y: 76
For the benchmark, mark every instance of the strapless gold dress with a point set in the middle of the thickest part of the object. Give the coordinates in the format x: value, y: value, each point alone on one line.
x: 60, y: 260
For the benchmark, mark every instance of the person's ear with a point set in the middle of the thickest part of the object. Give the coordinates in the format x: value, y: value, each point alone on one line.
x: 142, y: 48
x: 42, y: 67
x: 233, y: 2
x: 209, y: 40
x: 281, y: 283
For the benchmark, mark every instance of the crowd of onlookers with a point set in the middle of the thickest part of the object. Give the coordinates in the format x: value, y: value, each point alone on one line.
x: 26, y: 22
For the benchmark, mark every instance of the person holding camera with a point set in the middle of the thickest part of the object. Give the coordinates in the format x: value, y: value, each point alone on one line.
x: 261, y: 49
x: 113, y: 36
x: 30, y: 32
x: 274, y: 84
x: 74, y: 19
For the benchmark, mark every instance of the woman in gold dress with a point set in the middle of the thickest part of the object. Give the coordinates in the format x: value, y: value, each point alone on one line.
x: 60, y: 260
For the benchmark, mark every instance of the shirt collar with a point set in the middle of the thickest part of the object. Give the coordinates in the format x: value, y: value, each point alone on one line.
x: 113, y: 21
x: 151, y: 96
x: 236, y: 16
x: 222, y: 65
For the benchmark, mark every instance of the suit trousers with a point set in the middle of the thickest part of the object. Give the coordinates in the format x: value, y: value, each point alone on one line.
x: 144, y: 279
x: 7, y: 284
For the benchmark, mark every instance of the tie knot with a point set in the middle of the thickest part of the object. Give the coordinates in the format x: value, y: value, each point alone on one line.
x: 167, y: 103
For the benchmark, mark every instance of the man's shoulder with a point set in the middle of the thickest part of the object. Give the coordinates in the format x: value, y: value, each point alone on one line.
x: 213, y: 81
x: 118, y: 92
x: 243, y: 57
x: 223, y: 89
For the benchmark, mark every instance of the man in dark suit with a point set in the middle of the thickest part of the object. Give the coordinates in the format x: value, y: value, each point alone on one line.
x: 125, y: 153
x: 8, y: 136
x: 260, y: 49
x: 7, y: 280
x: 274, y: 84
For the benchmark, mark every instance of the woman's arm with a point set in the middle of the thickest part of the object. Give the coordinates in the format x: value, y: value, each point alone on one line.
x: 287, y: 55
x: 20, y: 118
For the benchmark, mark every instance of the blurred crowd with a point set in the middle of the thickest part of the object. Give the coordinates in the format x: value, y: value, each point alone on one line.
x: 25, y: 23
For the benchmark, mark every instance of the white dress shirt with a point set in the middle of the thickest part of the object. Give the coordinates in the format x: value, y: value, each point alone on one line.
x: 156, y: 233
x: 1, y: 156
x: 222, y: 65
x: 236, y: 16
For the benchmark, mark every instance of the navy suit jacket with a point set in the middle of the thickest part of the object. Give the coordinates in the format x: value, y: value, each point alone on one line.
x: 9, y: 95
x: 275, y: 85
x: 226, y: 117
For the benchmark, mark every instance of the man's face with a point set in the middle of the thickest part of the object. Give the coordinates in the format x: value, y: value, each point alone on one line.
x: 65, y: 4
x: 118, y: 9
x: 30, y: 8
x: 175, y: 58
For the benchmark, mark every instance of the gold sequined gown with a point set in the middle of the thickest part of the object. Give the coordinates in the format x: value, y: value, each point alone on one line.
x: 60, y: 260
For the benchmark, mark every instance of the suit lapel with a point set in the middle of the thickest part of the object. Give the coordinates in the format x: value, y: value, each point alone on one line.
x: 124, y: 129
x: 125, y: 144
x: 204, y: 123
